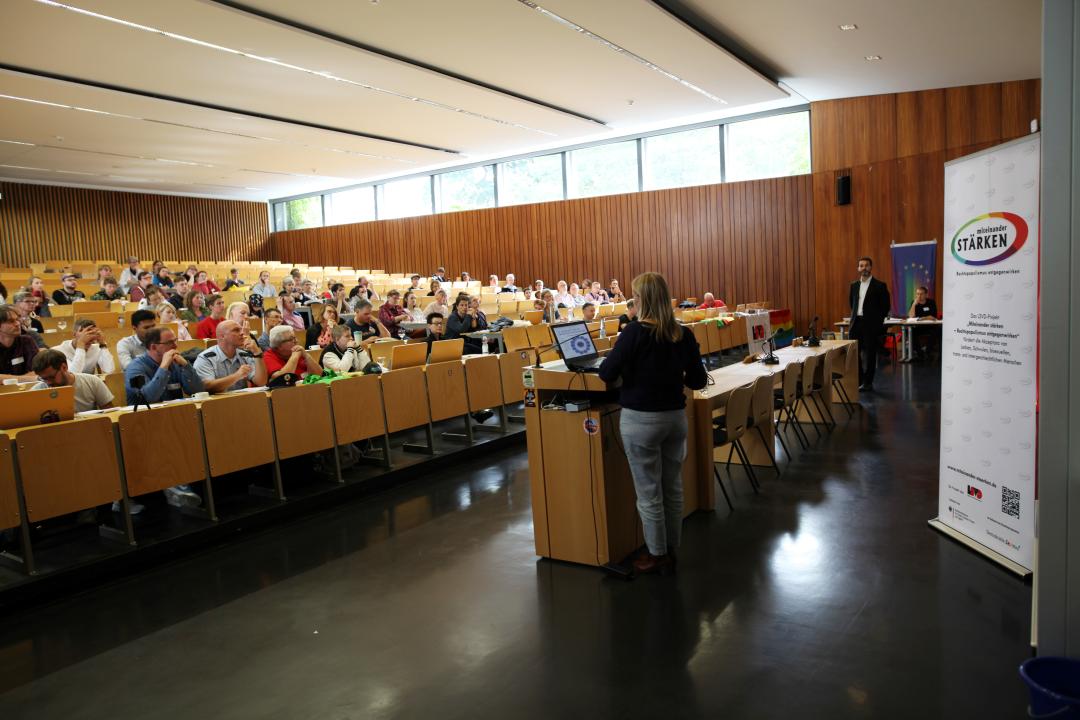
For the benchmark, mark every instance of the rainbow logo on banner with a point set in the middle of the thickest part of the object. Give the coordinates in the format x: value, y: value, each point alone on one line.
x: 783, y: 326
x: 989, y: 238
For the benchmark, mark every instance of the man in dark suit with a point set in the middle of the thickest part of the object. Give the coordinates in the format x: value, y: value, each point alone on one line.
x: 869, y: 303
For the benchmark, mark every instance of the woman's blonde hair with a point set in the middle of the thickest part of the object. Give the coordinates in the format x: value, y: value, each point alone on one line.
x: 163, y: 308
x: 236, y: 306
x: 654, y: 307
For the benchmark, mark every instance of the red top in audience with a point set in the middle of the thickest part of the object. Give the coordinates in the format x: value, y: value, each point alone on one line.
x: 207, y: 328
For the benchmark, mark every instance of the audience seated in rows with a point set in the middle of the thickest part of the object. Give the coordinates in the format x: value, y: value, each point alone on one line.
x: 205, y: 284
x: 343, y: 354
x: 181, y: 288
x: 24, y: 304
x: 391, y: 313
x: 163, y: 278
x: 271, y: 319
x: 166, y: 316
x: 130, y: 275
x: 321, y: 333
x: 435, y: 324
x: 87, y: 351
x: 110, y: 290
x: 286, y: 356
x: 142, y: 281
x: 51, y: 368
x: 67, y: 294
x: 233, y: 280
x: 264, y: 287
x: 160, y: 372
x: 234, y: 363
x: 131, y: 347
x: 207, y: 327
x: 152, y: 297
x: 289, y: 316
x: 412, y: 308
x: 17, y: 350
x: 710, y: 301
x: 369, y: 328
x: 464, y: 319
x: 439, y: 307
x: 629, y: 316
x: 194, y: 309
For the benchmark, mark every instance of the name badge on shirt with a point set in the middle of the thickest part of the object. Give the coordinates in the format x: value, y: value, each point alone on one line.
x: 172, y: 386
x: 17, y: 361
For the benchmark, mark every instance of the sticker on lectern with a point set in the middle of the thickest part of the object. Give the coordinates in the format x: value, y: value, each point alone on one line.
x: 527, y: 378
x: 530, y: 398
x: 591, y: 426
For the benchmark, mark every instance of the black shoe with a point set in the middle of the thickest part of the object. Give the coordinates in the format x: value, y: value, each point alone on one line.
x: 482, y: 416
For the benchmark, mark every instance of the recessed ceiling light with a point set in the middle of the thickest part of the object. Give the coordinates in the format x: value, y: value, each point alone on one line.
x: 849, y: 26
x: 872, y: 58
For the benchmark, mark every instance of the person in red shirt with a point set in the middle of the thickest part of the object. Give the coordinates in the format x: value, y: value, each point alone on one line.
x: 711, y: 302
x: 286, y: 355
x: 391, y: 313
x: 207, y: 327
x: 204, y: 285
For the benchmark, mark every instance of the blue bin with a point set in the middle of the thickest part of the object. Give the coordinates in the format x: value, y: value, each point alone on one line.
x: 1054, y: 684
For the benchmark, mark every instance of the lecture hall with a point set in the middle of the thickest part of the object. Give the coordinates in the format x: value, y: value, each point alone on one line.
x: 539, y: 359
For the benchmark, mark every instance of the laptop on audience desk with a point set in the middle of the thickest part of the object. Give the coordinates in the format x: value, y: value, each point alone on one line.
x: 576, y: 346
x: 37, y: 407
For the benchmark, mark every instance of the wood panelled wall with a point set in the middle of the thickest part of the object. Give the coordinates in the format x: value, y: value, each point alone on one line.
x: 44, y: 222
x: 746, y: 241
x: 895, y: 147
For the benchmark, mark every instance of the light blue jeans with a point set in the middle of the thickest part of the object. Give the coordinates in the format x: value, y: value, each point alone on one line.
x: 655, y: 444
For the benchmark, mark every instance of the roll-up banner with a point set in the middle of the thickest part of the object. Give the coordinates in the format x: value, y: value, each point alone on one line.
x: 986, y: 494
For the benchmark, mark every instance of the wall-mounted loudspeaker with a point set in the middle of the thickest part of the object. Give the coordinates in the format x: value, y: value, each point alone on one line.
x: 843, y: 190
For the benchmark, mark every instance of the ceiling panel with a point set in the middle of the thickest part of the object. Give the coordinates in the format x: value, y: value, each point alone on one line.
x: 923, y: 43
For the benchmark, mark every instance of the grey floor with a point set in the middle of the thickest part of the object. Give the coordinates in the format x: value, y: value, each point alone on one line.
x: 826, y: 597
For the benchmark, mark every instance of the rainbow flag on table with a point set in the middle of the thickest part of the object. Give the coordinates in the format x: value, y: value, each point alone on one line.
x: 913, y: 264
x: 783, y: 326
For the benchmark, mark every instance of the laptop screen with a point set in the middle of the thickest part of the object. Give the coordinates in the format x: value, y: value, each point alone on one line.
x: 574, y: 341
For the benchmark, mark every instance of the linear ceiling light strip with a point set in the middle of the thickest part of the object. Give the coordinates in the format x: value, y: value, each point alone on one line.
x: 128, y: 178
x: 283, y: 21
x: 198, y: 128
x: 616, y: 47
x: 289, y: 66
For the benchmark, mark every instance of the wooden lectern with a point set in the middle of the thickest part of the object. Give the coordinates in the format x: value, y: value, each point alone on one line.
x: 583, y: 498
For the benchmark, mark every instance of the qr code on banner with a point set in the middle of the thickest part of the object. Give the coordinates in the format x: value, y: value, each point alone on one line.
x: 1010, y: 502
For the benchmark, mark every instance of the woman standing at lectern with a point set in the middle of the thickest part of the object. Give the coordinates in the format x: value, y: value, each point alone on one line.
x: 655, y: 357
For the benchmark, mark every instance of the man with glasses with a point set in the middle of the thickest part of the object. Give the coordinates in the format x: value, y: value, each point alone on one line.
x: 17, y: 350
x: 161, y: 373
x: 67, y: 294
x: 91, y: 393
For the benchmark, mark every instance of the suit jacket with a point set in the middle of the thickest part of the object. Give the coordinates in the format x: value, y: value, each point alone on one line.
x: 876, y: 305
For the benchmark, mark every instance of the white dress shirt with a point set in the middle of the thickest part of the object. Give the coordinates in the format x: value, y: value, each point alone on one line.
x: 92, y: 359
x: 863, y: 285
x: 129, y: 348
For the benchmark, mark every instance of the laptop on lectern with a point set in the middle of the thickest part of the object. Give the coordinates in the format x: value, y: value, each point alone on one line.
x: 576, y: 346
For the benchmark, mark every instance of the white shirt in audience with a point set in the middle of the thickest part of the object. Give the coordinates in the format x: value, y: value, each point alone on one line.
x: 129, y: 348
x: 91, y: 392
x: 92, y: 359
x: 350, y: 360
